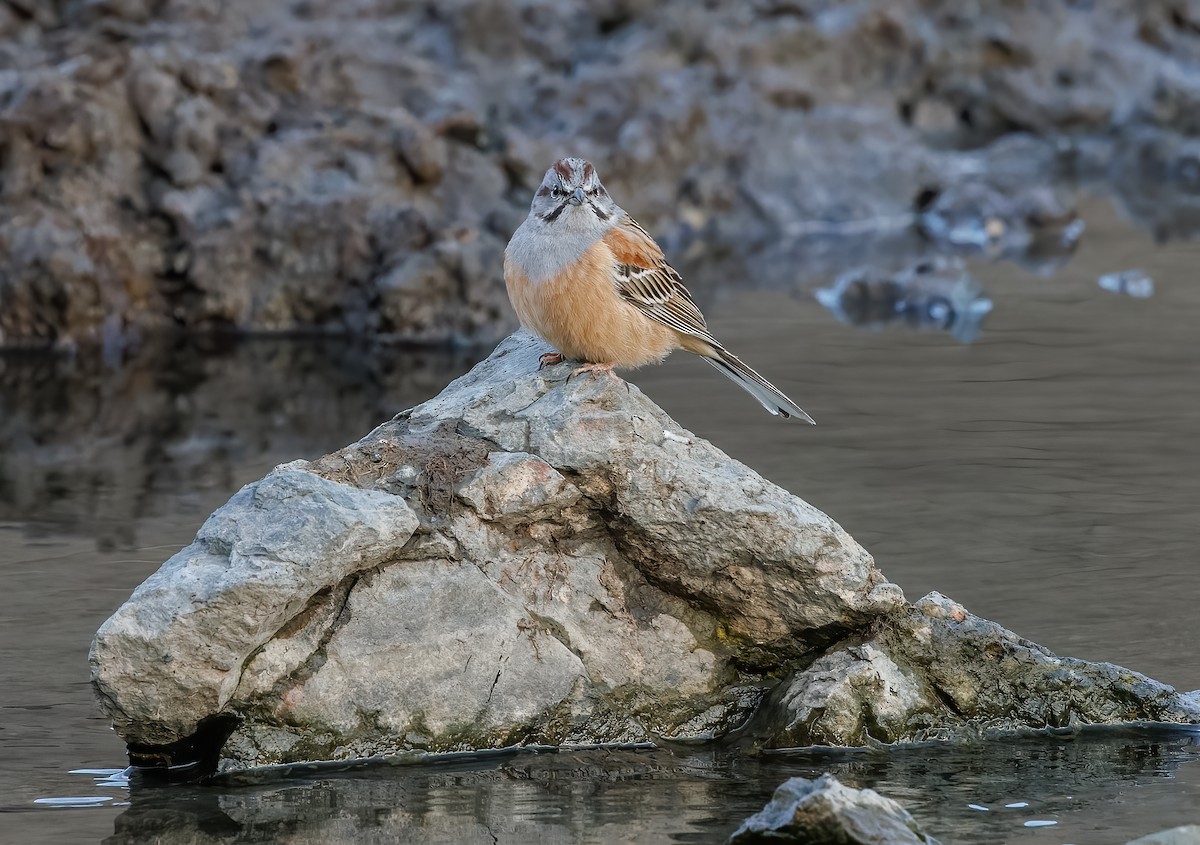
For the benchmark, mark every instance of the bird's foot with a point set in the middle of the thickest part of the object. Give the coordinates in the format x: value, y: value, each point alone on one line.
x: 601, y: 369
x: 549, y: 359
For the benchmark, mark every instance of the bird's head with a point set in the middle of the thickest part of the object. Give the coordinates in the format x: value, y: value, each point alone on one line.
x: 571, y: 192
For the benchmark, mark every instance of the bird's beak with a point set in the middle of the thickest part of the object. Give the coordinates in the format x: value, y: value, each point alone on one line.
x: 577, y: 197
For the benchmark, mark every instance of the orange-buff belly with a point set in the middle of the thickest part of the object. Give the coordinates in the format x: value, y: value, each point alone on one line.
x: 580, y: 313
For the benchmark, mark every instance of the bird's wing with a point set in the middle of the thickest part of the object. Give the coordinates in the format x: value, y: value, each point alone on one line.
x: 645, y: 280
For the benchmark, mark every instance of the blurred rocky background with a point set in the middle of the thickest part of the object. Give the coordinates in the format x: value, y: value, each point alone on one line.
x: 356, y: 166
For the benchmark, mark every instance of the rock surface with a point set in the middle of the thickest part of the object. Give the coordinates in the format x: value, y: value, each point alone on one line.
x: 824, y: 812
x: 528, y: 558
x: 358, y: 167
x: 1188, y: 834
x: 937, y: 671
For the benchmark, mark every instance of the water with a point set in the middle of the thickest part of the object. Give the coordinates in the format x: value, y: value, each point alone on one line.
x: 1046, y: 475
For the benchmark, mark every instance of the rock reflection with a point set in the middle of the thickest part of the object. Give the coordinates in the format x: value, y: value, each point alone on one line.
x: 90, y: 448
x: 626, y: 796
x: 1155, y: 177
x: 937, y: 295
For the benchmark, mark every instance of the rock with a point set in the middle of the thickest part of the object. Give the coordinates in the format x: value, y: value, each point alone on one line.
x: 527, y: 559
x: 821, y: 811
x: 1133, y: 283
x: 423, y: 153
x: 980, y: 216
x: 581, y: 575
x: 303, y: 127
x: 1188, y: 834
x: 938, y: 672
x: 273, y: 555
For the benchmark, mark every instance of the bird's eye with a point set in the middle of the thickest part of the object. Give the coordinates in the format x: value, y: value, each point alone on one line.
x: 557, y: 191
x: 595, y: 192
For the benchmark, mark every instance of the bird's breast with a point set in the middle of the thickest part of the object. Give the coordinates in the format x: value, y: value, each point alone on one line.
x: 579, y: 312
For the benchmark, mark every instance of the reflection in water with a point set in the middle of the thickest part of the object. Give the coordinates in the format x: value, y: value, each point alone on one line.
x: 937, y: 295
x: 90, y: 448
x: 628, y: 796
x: 1156, y: 179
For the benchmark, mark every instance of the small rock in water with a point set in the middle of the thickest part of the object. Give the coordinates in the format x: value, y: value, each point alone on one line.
x: 999, y: 221
x: 1133, y: 283
x: 978, y: 807
x: 1018, y: 804
x: 824, y: 811
x: 1039, y: 823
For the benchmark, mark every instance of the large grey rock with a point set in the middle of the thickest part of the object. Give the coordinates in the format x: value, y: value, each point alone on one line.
x: 824, y: 812
x: 585, y: 571
x: 528, y: 558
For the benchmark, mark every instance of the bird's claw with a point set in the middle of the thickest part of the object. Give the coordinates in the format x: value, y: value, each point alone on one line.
x: 603, y: 369
x: 549, y: 359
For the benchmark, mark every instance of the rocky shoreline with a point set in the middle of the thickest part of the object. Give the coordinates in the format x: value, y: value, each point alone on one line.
x: 358, y: 168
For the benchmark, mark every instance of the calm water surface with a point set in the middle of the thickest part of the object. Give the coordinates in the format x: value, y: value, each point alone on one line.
x: 1047, y: 476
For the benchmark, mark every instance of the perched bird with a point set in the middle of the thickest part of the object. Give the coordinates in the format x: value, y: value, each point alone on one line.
x: 588, y: 280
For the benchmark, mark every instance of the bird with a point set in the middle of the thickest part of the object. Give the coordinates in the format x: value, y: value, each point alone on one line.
x: 586, y: 278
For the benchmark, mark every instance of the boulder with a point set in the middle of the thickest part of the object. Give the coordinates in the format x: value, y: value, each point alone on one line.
x: 533, y: 557
x: 824, y: 812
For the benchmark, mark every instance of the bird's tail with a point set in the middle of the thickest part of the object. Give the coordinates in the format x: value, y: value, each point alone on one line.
x: 767, y: 394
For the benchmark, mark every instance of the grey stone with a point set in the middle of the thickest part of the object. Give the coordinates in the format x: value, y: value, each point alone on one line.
x: 824, y: 812
x: 1188, y: 834
x: 529, y: 558
x: 176, y: 651
x: 585, y: 571
x: 938, y: 672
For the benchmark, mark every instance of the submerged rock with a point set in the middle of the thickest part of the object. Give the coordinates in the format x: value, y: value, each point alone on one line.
x: 824, y: 812
x: 532, y: 559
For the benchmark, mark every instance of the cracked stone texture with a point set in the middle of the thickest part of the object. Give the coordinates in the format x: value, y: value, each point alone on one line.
x: 825, y: 812
x: 938, y: 672
x: 255, y: 567
x: 531, y: 559
x: 358, y: 166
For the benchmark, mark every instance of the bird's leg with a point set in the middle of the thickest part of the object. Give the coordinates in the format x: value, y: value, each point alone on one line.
x: 549, y: 359
x: 594, y: 368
